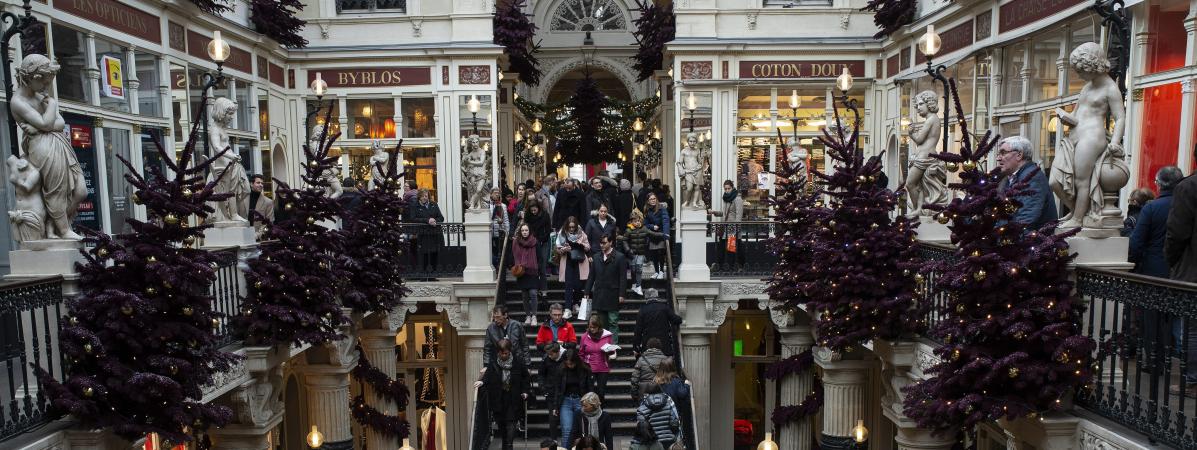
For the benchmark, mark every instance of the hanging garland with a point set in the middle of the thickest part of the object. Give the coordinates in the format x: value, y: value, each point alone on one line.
x: 384, y: 386
x: 890, y: 15
x: 514, y: 32
x: 650, y: 158
x: 614, y: 129
x: 796, y: 365
x: 276, y: 20
x: 654, y: 28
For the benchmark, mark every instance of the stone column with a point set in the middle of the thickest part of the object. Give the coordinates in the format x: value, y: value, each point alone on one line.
x: 914, y: 438
x: 844, y: 397
x: 328, y: 404
x: 795, y: 389
x: 379, y: 347
x: 693, y: 235
x: 696, y: 356
x: 477, y: 236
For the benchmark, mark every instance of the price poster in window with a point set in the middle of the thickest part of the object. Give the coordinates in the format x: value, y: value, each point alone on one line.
x: 113, y: 78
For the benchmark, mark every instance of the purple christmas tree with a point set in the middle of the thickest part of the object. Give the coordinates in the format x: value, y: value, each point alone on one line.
x: 795, y: 201
x: 655, y: 27
x: 375, y: 243
x: 891, y: 15
x: 276, y: 19
x: 139, y: 340
x: 295, y: 282
x: 1012, y: 342
x: 859, y: 284
x: 514, y: 32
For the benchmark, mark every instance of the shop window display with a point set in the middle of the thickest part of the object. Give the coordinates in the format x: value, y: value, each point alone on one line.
x: 418, y: 117
x: 371, y: 119
x: 70, y: 52
x: 1166, y: 44
x: 120, y: 207
x: 332, y: 116
x: 1161, y: 115
x: 419, y: 163
x: 421, y: 359
x: 149, y: 78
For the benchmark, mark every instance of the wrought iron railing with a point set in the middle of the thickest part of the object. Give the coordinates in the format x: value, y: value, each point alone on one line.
x: 226, y: 292
x: 1147, y: 328
x: 751, y: 257
x: 933, y: 300
x: 355, y: 6
x: 29, y: 323
x: 435, y: 251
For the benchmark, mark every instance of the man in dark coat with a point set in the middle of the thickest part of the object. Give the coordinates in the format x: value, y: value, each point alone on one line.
x: 655, y: 319
x: 570, y: 202
x: 1038, y: 205
x: 625, y: 201
x: 1180, y: 247
x: 501, y: 327
x: 507, y: 385
x: 607, y: 283
x: 1147, y: 252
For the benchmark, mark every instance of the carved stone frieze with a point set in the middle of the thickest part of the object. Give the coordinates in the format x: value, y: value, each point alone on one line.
x: 398, y: 316
x: 458, y: 316
x: 717, y: 311
x: 256, y: 402
x: 423, y: 290
x: 224, y: 381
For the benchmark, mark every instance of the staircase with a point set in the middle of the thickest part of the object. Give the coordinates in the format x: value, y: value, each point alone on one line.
x: 619, y: 398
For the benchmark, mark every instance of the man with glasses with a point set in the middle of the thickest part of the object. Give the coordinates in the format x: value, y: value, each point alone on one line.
x: 557, y: 329
x: 1014, y: 160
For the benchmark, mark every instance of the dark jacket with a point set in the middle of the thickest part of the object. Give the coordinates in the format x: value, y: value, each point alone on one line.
x: 637, y: 240
x: 513, y: 332
x: 539, y: 225
x: 575, y: 382
x: 645, y: 369
x: 569, y: 203
x: 661, y: 414
x: 428, y: 238
x: 350, y: 201
x: 657, y: 220
x: 1147, y: 238
x: 624, y: 203
x: 1038, y: 205
x: 550, y: 382
x: 582, y: 427
x: 679, y: 391
x: 594, y: 231
x: 505, y: 402
x: 608, y: 281
x: 656, y: 319
x: 594, y: 199
x: 1180, y: 246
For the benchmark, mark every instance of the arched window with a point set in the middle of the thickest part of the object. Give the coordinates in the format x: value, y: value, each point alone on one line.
x: 588, y: 15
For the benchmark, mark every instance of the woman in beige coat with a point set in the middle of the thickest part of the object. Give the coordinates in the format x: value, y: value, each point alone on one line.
x: 574, y: 264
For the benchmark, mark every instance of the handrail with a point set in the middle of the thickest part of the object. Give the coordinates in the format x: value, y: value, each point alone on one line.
x: 500, y: 276
x: 693, y: 421
x: 681, y: 365
x: 473, y: 416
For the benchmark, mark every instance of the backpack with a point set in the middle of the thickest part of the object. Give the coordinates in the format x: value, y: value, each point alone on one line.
x: 644, y: 431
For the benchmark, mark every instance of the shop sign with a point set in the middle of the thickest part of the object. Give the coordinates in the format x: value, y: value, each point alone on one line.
x: 384, y: 77
x: 956, y: 38
x: 85, y: 152
x: 112, y: 80
x: 1024, y: 12
x: 115, y: 15
x: 800, y: 69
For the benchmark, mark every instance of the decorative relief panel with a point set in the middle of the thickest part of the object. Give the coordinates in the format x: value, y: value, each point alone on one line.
x: 697, y: 70
x: 473, y: 74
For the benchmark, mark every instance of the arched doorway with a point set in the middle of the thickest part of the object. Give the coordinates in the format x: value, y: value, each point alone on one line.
x: 278, y: 163
x: 560, y: 91
x: 293, y: 422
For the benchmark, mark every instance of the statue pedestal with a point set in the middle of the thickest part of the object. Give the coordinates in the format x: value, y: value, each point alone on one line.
x: 1102, y: 248
x: 229, y: 233
x: 930, y: 230
x: 45, y: 258
x: 477, y: 235
x: 692, y: 234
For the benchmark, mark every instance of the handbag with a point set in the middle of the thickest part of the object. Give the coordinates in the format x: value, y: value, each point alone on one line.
x: 731, y: 244
x: 517, y: 270
x: 577, y: 255
x: 584, y: 309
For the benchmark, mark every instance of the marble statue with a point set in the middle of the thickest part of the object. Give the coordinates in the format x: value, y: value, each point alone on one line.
x: 378, y: 164
x: 331, y: 175
x: 1090, y: 167
x: 796, y: 160
x: 29, y: 218
x: 690, y: 171
x: 227, y: 167
x: 47, y: 149
x: 475, y: 173
x: 926, y: 177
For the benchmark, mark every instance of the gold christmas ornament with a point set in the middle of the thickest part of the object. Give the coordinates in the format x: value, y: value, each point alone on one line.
x: 960, y: 308
x: 968, y: 165
x: 311, y: 220
x: 1013, y: 372
x: 942, y: 218
x: 257, y: 285
x: 215, y: 323
x: 171, y: 219
x: 952, y: 166
x: 102, y: 252
x: 189, y: 241
x: 918, y: 278
x: 174, y: 370
x: 87, y: 348
x: 151, y: 259
x: 88, y: 392
x: 187, y: 192
x: 288, y: 207
x: 979, y: 274
x: 74, y: 320
x: 955, y: 354
x: 874, y: 226
x: 136, y: 199
x: 187, y: 311
x: 126, y: 310
x: 151, y: 291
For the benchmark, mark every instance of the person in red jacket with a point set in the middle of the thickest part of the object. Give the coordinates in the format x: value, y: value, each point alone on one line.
x: 557, y: 329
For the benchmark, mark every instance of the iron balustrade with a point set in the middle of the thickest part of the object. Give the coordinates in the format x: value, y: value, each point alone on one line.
x: 435, y: 251
x: 30, y: 313
x: 1138, y: 320
x: 933, y: 300
x: 752, y: 257
x: 226, y: 293
x: 371, y: 5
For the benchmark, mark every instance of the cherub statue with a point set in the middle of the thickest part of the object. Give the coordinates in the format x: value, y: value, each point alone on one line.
x: 1090, y: 165
x: 926, y: 178
x: 475, y: 172
x: 379, y: 160
x: 690, y: 170
x: 331, y: 175
x: 28, y: 217
x: 228, y: 167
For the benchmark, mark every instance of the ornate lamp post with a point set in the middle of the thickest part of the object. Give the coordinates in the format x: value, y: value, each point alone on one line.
x: 929, y: 45
x: 218, y: 51
x: 474, y: 106
x: 691, y: 105
x: 17, y: 25
x: 860, y: 436
x: 319, y: 87
x: 795, y: 102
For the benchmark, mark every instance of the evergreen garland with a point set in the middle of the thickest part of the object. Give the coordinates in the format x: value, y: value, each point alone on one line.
x: 858, y: 283
x: 296, y: 280
x: 376, y: 242
x: 139, y: 341
x: 891, y: 15
x: 1011, y: 328
x: 655, y: 27
x: 276, y: 20
x: 384, y: 386
x: 615, y: 127
x: 795, y: 365
x: 514, y: 32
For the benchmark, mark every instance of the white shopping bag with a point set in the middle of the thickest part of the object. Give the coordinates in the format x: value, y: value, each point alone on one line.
x: 584, y: 310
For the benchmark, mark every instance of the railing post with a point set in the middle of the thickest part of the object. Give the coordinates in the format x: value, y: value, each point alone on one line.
x: 693, y: 236
x: 477, y: 230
